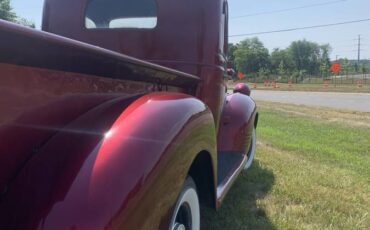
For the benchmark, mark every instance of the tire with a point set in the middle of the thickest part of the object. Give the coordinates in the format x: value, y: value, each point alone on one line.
x: 186, y: 215
x: 252, y: 150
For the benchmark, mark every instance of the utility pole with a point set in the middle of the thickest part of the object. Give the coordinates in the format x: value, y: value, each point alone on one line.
x: 358, y: 52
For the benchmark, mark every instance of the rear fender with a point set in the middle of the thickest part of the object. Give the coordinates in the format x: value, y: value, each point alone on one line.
x: 236, y: 124
x: 123, y: 175
x: 155, y: 142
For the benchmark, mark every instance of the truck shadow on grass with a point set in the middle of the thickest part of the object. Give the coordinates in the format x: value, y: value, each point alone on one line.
x: 240, y: 209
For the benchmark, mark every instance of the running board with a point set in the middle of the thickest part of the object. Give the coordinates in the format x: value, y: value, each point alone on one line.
x: 230, y: 164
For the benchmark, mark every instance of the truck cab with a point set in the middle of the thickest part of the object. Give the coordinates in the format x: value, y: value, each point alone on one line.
x: 116, y: 115
x: 190, y: 37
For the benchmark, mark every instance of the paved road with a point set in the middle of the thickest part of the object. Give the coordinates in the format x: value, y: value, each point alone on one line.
x: 351, y: 101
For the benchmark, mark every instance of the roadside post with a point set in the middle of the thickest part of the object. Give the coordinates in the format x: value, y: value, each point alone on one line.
x: 335, y: 69
x: 359, y: 83
x: 255, y: 85
x: 326, y: 84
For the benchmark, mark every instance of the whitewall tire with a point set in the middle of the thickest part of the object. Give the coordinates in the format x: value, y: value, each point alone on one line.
x: 252, y: 150
x: 186, y: 215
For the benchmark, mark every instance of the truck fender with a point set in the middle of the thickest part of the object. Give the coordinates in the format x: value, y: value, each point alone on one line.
x: 151, y: 147
x: 118, y: 170
x: 237, y: 123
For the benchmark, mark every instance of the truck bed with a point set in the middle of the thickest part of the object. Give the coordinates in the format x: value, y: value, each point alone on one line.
x: 23, y: 46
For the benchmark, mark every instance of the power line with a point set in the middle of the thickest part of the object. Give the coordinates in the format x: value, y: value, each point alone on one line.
x: 288, y: 9
x: 300, y: 28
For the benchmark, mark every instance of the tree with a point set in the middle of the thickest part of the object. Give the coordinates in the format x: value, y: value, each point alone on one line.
x: 263, y: 73
x: 231, y: 51
x: 306, y: 56
x: 281, y: 69
x: 324, y: 69
x: 251, y: 56
x: 364, y: 71
x: 363, y: 68
x: 231, y: 57
x: 325, y: 51
x: 7, y: 13
x: 279, y: 58
x: 25, y: 22
x: 346, y: 66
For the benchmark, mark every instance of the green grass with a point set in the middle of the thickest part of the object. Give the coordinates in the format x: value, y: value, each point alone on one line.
x: 309, y: 173
x: 347, y: 88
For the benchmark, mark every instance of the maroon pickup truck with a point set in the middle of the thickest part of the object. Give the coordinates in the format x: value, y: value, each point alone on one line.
x: 116, y: 116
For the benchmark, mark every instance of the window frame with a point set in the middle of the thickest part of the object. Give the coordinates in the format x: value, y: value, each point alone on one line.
x: 84, y: 16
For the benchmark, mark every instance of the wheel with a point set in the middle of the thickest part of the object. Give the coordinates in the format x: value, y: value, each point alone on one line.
x: 186, y: 215
x: 252, y: 150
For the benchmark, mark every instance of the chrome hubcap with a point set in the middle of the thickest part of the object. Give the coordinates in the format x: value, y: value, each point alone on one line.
x: 179, y: 227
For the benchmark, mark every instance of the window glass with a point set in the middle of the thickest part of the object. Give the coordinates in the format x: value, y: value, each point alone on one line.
x: 141, y: 14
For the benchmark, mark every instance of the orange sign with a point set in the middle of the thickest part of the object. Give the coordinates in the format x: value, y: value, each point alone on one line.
x: 335, y: 68
x: 241, y: 75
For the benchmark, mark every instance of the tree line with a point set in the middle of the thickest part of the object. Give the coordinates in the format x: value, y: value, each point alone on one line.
x: 299, y: 60
x: 7, y: 13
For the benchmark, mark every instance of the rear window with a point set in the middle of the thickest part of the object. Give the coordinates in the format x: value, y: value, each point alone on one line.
x: 113, y: 14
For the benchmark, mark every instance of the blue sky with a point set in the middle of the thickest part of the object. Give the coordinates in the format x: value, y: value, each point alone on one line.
x: 343, y: 38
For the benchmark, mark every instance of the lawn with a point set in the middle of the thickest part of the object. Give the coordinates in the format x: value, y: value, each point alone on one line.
x: 347, y: 88
x: 312, y: 171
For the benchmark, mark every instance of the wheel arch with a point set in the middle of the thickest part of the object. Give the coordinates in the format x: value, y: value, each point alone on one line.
x: 239, y: 117
x: 201, y: 170
x: 256, y: 120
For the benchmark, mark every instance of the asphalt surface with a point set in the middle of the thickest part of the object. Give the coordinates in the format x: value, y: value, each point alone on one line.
x: 350, y: 101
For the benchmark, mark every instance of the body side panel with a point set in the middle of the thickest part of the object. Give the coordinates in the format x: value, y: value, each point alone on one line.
x: 110, y: 169
x: 37, y: 103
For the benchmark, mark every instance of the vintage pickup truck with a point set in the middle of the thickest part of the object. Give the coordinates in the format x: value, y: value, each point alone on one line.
x: 116, y: 116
